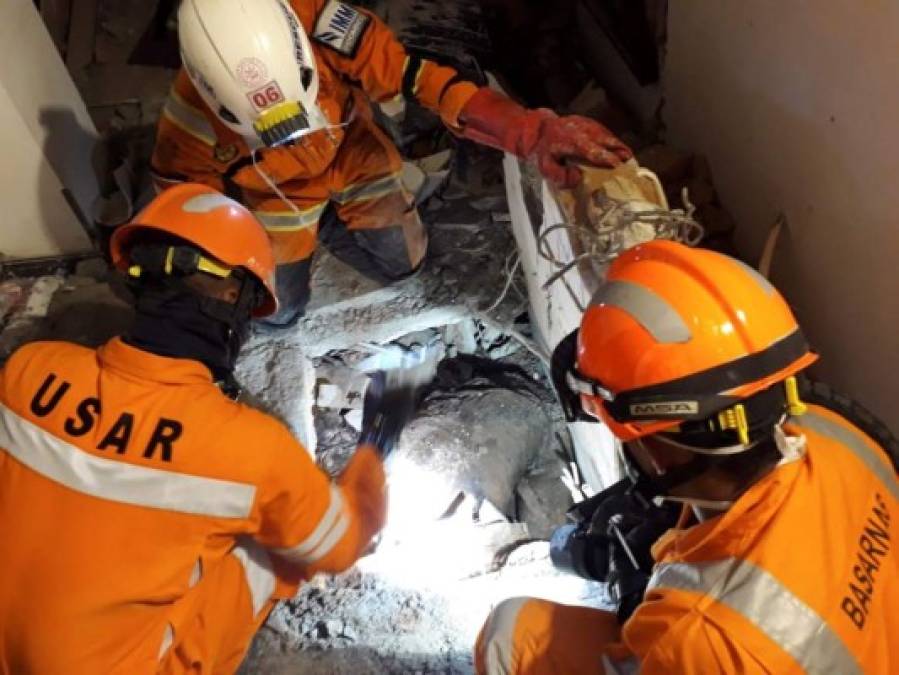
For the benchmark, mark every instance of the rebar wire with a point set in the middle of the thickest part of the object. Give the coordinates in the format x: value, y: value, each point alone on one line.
x: 604, y: 241
x: 510, y: 280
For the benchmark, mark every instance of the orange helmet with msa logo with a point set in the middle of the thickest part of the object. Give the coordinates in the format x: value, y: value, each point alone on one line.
x: 210, y: 221
x: 678, y: 334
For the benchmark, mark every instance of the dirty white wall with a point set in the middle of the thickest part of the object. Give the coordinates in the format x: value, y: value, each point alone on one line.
x: 796, y: 105
x: 46, y: 137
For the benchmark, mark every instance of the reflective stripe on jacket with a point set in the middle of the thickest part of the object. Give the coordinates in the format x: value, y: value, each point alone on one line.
x: 799, y: 576
x: 121, y: 474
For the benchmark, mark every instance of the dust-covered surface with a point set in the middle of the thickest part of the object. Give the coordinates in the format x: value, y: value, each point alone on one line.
x: 374, y: 620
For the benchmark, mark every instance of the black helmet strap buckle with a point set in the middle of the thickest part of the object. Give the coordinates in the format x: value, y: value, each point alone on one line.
x: 160, y: 260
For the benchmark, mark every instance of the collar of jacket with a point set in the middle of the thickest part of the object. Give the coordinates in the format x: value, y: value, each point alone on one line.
x: 731, y: 533
x: 143, y: 365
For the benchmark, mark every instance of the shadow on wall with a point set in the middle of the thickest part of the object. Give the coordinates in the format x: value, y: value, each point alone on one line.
x: 835, y: 262
x: 68, y: 148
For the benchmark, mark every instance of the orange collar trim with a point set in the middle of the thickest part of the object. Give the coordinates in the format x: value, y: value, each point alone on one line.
x: 142, y: 365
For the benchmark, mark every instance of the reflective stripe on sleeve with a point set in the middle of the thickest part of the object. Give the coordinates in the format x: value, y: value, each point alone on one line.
x: 290, y: 221
x: 761, y: 599
x: 855, y: 442
x: 117, y: 481
x: 189, y: 119
x: 496, y: 641
x: 413, y: 67
x: 330, y: 529
x: 648, y: 309
x: 359, y: 192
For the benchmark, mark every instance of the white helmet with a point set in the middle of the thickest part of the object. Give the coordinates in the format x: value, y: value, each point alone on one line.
x: 252, y: 63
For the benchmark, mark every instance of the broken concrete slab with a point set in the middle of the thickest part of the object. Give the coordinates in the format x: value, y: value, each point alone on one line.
x: 478, y: 442
x: 543, y: 499
x: 280, y: 382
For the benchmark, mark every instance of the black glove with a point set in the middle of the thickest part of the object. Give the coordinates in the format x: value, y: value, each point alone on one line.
x: 609, y: 539
x: 390, y: 402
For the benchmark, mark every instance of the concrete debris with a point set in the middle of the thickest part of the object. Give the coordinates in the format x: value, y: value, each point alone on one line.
x: 543, y: 500
x: 480, y: 443
x: 398, y: 629
x: 338, y: 387
x: 76, y: 308
x: 39, y: 297
x: 280, y: 382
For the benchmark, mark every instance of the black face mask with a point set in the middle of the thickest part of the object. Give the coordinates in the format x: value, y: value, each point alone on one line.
x: 174, y: 320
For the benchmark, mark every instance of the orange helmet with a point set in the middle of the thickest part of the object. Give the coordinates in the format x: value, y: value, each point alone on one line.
x: 212, y: 222
x: 678, y: 334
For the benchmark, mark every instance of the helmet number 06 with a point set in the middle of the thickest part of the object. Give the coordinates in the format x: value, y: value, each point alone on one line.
x: 266, y: 96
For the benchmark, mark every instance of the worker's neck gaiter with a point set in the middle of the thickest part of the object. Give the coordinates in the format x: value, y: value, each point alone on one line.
x: 179, y: 323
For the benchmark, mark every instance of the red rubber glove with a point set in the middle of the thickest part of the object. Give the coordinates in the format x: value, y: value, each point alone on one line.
x: 541, y: 136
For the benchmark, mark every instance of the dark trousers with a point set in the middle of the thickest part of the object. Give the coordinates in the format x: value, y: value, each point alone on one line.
x: 379, y: 254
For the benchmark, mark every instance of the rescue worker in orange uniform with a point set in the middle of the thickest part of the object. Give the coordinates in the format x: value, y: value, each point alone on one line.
x: 272, y: 107
x: 783, y: 560
x: 149, y: 521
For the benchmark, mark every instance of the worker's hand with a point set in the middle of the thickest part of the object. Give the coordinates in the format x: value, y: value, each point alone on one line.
x: 541, y: 136
x: 579, y: 139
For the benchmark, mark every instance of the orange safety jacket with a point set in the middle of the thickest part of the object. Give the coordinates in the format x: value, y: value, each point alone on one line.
x: 800, y: 575
x: 122, y: 474
x: 193, y: 144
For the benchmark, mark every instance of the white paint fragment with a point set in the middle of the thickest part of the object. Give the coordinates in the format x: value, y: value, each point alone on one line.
x: 40, y: 296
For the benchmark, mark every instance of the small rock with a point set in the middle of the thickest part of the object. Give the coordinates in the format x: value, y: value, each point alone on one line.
x: 354, y: 419
x: 333, y: 628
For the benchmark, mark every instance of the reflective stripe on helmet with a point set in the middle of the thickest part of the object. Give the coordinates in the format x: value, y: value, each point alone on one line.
x: 359, y: 192
x: 757, y: 276
x: 708, y: 389
x: 855, y: 442
x: 290, y: 221
x: 189, y: 119
x: 412, y: 69
x: 647, y: 308
x: 760, y: 598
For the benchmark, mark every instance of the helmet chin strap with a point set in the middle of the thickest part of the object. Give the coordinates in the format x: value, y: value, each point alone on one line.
x: 256, y: 146
x: 656, y: 489
x: 271, y: 183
